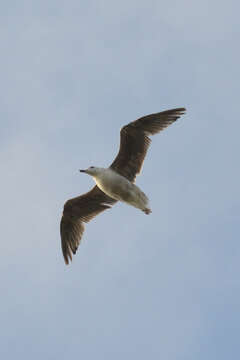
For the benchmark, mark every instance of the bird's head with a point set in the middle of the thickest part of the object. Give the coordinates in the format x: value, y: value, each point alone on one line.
x: 92, y: 170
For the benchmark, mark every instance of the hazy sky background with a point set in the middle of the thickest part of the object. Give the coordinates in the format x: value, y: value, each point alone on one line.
x: 164, y: 286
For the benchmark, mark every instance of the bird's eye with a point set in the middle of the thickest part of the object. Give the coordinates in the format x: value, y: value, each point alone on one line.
x: 91, y: 167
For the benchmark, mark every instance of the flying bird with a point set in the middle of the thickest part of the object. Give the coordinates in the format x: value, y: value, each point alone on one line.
x: 115, y: 183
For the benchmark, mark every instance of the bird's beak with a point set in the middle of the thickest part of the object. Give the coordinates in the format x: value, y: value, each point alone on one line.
x: 82, y: 171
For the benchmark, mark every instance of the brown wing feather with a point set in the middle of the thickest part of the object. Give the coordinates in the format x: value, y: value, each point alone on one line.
x: 78, y: 211
x: 134, y: 141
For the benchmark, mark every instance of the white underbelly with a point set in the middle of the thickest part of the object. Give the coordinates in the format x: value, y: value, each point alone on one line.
x: 114, y: 187
x: 119, y: 188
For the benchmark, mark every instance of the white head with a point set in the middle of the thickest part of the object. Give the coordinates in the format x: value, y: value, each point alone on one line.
x: 92, y: 170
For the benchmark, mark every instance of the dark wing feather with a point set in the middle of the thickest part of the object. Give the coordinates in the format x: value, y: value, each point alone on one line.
x: 135, y: 142
x: 78, y: 211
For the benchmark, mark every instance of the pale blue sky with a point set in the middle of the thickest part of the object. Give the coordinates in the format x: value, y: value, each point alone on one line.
x: 164, y: 286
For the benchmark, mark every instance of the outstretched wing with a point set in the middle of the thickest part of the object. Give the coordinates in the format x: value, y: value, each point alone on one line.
x: 134, y: 141
x: 78, y: 211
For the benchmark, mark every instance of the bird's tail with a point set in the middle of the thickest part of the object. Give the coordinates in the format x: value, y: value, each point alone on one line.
x: 147, y: 211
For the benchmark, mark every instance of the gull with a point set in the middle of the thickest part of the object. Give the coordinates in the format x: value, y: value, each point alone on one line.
x: 115, y: 183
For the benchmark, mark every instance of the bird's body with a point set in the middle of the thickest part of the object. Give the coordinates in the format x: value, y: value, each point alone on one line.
x: 115, y: 183
x: 120, y: 188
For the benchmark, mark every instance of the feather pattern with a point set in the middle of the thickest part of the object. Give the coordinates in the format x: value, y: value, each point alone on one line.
x: 78, y: 211
x: 134, y: 141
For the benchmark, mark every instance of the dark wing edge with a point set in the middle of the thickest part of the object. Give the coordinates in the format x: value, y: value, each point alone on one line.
x: 154, y: 123
x: 78, y: 211
x: 135, y: 141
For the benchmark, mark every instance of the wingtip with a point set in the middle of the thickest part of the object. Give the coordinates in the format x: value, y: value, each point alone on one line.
x: 181, y: 110
x: 66, y: 257
x: 66, y: 261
